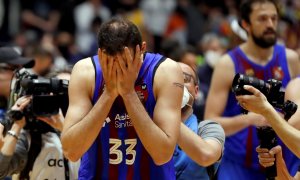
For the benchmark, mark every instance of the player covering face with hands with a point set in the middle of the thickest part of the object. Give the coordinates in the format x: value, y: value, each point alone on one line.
x: 124, y: 110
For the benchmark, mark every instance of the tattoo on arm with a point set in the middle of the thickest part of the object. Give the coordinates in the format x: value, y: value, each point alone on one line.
x: 178, y: 85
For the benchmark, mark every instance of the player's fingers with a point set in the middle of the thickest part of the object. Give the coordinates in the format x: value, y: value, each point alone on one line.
x: 252, y: 89
x: 261, y: 150
x: 128, y: 57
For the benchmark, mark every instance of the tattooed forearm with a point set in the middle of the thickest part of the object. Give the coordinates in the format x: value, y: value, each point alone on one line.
x: 178, y: 85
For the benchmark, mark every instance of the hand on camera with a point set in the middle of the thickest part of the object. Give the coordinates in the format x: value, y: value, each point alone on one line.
x: 267, y: 157
x: 257, y: 102
x: 19, y: 106
x: 257, y: 120
x: 55, y: 121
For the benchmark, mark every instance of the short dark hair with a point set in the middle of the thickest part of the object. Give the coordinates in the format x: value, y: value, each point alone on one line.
x: 117, y: 33
x: 246, y: 8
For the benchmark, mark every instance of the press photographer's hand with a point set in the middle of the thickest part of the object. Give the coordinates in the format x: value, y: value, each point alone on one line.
x: 257, y: 102
x: 109, y: 71
x: 20, y: 104
x: 128, y: 68
x: 257, y: 120
x: 267, y: 157
x: 55, y: 121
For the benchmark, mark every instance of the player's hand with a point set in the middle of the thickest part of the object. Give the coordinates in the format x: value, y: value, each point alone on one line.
x: 128, y: 69
x: 257, y: 102
x: 55, y: 121
x: 267, y: 157
x: 109, y: 71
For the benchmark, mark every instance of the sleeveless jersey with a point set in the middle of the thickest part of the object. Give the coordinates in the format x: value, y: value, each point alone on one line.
x: 242, y: 145
x: 117, y: 152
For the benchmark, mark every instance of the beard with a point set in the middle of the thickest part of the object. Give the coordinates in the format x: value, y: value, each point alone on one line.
x: 263, y: 41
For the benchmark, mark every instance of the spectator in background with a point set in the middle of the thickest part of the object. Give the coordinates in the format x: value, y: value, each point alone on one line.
x: 43, y: 60
x: 186, y: 55
x: 39, y: 17
x: 177, y: 25
x: 168, y: 46
x: 213, y: 47
x: 84, y: 14
x: 200, y: 146
x: 9, y: 20
x: 157, y: 13
x: 260, y: 56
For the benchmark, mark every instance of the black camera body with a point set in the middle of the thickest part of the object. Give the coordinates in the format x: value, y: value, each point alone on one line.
x: 272, y: 89
x: 274, y: 93
x: 48, y: 94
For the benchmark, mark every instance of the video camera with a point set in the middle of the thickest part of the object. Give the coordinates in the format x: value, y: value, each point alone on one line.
x: 274, y: 93
x: 48, y: 94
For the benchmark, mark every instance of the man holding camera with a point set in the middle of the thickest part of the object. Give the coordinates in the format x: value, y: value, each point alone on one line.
x: 10, y: 60
x: 260, y: 57
x: 34, y: 151
x: 287, y: 131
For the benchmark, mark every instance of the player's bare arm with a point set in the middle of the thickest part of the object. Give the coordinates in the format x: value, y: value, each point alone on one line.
x: 83, y: 121
x: 159, y: 136
x: 293, y: 62
x: 203, y: 152
x: 221, y: 83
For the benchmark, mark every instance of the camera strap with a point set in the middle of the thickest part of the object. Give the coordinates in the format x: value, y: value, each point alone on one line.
x: 34, y: 150
x: 210, y: 171
x: 67, y: 170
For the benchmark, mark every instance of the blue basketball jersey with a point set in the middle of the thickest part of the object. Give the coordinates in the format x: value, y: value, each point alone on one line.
x: 240, y: 147
x: 117, y: 152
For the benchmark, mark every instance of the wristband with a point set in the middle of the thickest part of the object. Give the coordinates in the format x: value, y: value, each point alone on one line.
x: 13, y: 134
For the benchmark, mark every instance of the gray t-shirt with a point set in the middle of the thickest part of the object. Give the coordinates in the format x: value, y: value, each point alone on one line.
x: 16, y: 163
x: 208, y: 129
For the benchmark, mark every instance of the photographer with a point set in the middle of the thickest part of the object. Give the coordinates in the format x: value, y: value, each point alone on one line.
x: 32, y: 147
x: 39, y: 152
x: 10, y: 60
x: 287, y: 131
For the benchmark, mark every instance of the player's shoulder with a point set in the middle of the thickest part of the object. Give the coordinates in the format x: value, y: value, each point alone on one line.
x: 293, y: 62
x: 84, y: 65
x: 291, y: 55
x: 83, y: 70
x: 225, y: 63
x: 169, y: 64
